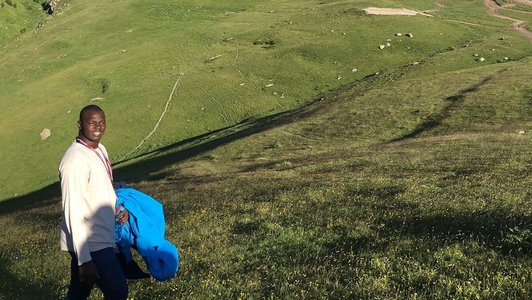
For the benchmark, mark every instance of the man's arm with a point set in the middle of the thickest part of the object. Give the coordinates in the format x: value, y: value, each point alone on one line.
x: 74, y: 178
x: 74, y: 173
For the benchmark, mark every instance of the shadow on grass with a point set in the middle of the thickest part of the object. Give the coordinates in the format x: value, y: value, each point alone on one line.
x: 436, y: 120
x: 504, y: 232
x: 12, y: 287
x: 161, y: 158
x: 141, y: 167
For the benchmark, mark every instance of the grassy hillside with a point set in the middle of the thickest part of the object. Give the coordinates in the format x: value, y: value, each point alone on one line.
x: 227, y: 62
x: 360, y: 195
x: 18, y: 17
x: 408, y: 178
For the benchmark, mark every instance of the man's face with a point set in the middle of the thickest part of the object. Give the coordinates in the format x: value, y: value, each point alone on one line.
x: 92, y: 126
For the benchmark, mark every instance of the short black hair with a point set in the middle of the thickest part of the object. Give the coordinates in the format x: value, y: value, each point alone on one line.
x: 87, y: 108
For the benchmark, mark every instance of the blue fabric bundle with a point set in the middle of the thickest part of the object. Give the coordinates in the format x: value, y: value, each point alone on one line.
x: 145, y: 232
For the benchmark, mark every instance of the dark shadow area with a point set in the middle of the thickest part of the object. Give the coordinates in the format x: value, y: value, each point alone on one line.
x: 505, y: 232
x: 39, y: 198
x: 49, y: 6
x: 13, y: 287
x: 19, y: 267
x: 434, y: 121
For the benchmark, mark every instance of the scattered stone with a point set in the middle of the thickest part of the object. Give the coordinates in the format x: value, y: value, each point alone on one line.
x: 521, y: 132
x: 398, y: 34
x: 45, y: 133
x: 338, y: 77
x: 242, y: 83
x: 388, y: 40
x: 269, y: 85
x: 409, y: 34
x: 215, y: 57
x: 481, y: 59
x: 388, y: 44
x: 354, y: 70
x: 506, y: 58
x: 475, y: 55
x: 381, y: 47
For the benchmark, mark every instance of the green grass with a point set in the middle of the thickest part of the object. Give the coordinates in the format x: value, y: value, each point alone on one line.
x: 293, y: 207
x: 18, y: 17
x: 413, y: 183
x: 126, y: 56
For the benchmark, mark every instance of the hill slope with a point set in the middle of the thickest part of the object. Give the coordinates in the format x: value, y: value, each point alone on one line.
x: 167, y: 71
x: 407, y: 179
x: 359, y: 194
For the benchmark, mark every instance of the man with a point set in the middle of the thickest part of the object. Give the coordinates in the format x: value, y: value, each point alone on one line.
x: 88, y: 199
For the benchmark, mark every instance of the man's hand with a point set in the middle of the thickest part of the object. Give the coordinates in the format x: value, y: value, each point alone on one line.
x: 121, y: 214
x: 88, y: 273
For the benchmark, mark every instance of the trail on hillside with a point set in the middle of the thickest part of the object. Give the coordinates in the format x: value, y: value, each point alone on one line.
x: 160, y: 118
x: 517, y: 25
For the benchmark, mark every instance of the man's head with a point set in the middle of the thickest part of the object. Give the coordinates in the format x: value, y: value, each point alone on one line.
x: 91, y: 125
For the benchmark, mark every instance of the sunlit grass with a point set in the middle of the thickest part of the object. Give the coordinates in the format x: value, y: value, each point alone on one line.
x: 413, y: 183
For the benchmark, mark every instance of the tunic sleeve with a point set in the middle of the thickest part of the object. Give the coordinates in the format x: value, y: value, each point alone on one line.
x: 75, y: 173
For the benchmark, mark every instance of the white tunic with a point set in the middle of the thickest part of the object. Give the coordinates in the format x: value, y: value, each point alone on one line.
x: 89, y: 200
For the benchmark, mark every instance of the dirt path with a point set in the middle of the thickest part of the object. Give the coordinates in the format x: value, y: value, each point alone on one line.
x: 517, y: 25
x: 393, y: 12
x: 527, y: 2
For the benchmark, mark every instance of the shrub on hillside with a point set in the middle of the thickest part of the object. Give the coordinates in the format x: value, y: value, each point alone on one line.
x: 10, y: 2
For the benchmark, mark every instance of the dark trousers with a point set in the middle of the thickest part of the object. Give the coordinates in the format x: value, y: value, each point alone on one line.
x: 112, y: 281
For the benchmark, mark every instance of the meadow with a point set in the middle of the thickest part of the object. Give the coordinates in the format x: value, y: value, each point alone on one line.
x: 284, y: 172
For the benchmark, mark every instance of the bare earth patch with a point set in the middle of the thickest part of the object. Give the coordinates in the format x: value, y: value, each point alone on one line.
x: 393, y: 12
x: 527, y: 2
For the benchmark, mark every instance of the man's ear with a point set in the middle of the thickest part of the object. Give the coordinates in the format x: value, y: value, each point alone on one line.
x: 79, y: 124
